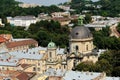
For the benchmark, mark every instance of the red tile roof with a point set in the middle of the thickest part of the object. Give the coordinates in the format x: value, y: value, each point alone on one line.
x: 25, y: 65
x: 25, y: 76
x: 7, y: 36
x: 20, y: 75
x: 21, y: 43
x: 2, y: 39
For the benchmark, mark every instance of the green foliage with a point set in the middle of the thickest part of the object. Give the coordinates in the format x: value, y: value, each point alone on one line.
x: 88, y: 18
x: 47, y: 30
x: 11, y: 8
x: 108, y: 62
x: 102, y: 39
x: 85, y: 66
x: 108, y: 7
x: 116, y: 71
x: 43, y: 32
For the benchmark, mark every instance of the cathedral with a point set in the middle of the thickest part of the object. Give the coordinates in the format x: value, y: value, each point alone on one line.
x: 81, y: 48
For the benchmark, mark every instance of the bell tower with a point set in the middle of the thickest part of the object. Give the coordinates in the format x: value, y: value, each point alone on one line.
x: 51, y: 51
x: 81, y: 39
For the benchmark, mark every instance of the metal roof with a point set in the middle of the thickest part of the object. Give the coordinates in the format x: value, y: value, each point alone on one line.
x: 8, y: 60
x: 80, y: 32
x: 76, y: 75
x: 32, y: 53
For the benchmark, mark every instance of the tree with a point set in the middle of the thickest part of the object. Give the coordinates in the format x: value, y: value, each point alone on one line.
x: 108, y: 62
x: 88, y: 18
x: 116, y: 71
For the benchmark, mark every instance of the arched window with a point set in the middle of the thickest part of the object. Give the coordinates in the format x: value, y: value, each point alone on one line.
x: 34, y: 69
x: 86, y: 47
x: 76, y: 48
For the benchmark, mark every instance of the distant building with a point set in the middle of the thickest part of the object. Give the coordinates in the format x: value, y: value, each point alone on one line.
x: 21, y: 44
x: 23, y: 21
x: 62, y: 20
x: 25, y: 5
x: 66, y: 8
x: 60, y: 14
x: 97, y: 18
x: 1, y: 24
x: 17, y: 44
x: 62, y: 17
x: 43, y: 16
x: 100, y: 24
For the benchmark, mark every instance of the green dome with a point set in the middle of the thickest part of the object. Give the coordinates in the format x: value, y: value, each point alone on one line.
x: 51, y: 45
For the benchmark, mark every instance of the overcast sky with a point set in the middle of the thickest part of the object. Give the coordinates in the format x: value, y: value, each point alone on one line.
x: 45, y: 2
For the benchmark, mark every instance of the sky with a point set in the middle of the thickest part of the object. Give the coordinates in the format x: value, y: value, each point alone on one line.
x: 45, y: 2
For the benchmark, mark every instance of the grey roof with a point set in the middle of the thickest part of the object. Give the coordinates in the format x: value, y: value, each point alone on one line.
x: 80, y: 32
x: 29, y: 54
x: 75, y: 75
x: 112, y: 78
x: 60, y: 51
x: 24, y: 18
x: 11, y: 62
x: 8, y: 60
x: 54, y: 72
x: 72, y: 75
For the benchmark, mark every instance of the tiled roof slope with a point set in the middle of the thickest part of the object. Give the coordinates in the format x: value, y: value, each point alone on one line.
x: 21, y: 43
x: 2, y: 39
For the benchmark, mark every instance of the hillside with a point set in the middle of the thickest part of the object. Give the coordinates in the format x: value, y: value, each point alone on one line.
x: 11, y: 8
x: 108, y: 7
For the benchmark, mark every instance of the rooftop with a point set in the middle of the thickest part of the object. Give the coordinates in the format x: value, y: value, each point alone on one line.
x: 8, y: 60
x: 75, y: 75
x: 24, y: 18
x: 13, y: 75
x: 2, y: 39
x: 54, y: 72
x: 112, y: 78
x: 20, y: 43
x: 32, y: 53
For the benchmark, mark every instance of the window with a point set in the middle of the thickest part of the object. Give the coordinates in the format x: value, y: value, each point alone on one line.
x: 64, y: 66
x: 86, y: 47
x: 50, y: 54
x: 76, y: 48
x: 34, y: 69
x: 38, y: 64
x: 3, y: 68
x: 38, y: 69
